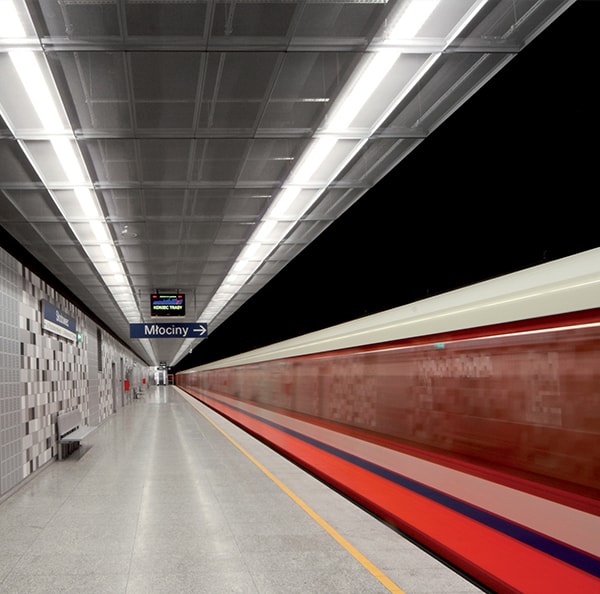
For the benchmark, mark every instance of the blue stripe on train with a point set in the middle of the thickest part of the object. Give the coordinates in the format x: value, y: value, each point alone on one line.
x: 567, y: 554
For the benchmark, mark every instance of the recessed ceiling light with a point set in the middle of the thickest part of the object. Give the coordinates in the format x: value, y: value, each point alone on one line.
x: 127, y: 232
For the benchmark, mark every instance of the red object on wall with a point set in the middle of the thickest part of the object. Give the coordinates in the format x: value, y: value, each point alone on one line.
x: 143, y: 380
x: 126, y: 385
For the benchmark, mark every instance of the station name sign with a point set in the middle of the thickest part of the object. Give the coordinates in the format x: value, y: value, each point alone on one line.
x: 58, y: 322
x: 156, y: 330
x: 167, y: 304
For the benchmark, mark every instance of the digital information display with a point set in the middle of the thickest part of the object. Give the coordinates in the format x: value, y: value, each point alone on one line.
x: 167, y: 304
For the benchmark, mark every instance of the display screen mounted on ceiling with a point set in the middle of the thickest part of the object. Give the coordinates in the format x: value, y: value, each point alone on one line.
x: 167, y: 304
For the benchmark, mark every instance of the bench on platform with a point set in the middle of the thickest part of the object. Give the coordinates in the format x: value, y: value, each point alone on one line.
x: 70, y: 429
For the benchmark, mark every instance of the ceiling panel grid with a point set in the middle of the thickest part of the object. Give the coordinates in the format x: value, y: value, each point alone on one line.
x: 201, y: 145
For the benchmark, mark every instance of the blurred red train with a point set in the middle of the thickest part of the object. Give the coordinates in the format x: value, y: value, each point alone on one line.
x: 470, y: 420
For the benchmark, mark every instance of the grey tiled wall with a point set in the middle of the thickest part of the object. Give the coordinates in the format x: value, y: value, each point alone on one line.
x: 10, y: 393
x: 42, y: 373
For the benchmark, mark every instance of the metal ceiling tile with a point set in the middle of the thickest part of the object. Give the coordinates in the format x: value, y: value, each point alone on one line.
x: 68, y: 253
x: 166, y: 19
x: 169, y: 117
x: 124, y: 205
x: 212, y: 281
x: 198, y: 251
x: 114, y: 161
x: 165, y: 280
x: 373, y: 162
x: 199, y: 231
x: 164, y: 204
x: 216, y: 203
x: 161, y: 252
x: 303, y: 234
x: 82, y: 270
x: 21, y: 230
x: 80, y: 20
x: 139, y: 268
x: 54, y: 232
x: 164, y: 231
x: 4, y: 130
x: 134, y: 253
x: 247, y: 205
x: 142, y: 281
x: 33, y: 205
x: 15, y: 169
x: 190, y: 268
x: 223, y: 252
x: 98, y: 85
x: 192, y: 116
x: 234, y: 233
x: 219, y: 160
x: 331, y: 23
x: 334, y: 202
x: 234, y: 88
x: 304, y: 88
x: 252, y: 19
x: 164, y: 160
x: 165, y: 77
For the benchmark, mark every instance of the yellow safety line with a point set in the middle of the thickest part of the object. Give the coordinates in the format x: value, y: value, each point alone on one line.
x: 375, y: 571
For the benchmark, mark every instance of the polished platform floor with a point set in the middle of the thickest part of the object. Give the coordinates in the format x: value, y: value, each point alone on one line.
x: 166, y: 496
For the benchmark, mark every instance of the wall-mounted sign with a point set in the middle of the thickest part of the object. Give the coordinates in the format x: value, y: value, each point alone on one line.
x: 58, y: 322
x: 167, y: 304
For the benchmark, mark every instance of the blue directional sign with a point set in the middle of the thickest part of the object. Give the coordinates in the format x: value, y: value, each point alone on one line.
x: 58, y: 322
x: 154, y: 330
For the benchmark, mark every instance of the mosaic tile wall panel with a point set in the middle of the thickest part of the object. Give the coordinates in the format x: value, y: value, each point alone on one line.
x: 90, y: 342
x: 53, y: 372
x: 42, y: 373
x: 11, y: 471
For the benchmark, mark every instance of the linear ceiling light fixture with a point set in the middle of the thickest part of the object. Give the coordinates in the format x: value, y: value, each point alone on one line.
x: 32, y: 70
x: 310, y: 178
x: 279, y: 219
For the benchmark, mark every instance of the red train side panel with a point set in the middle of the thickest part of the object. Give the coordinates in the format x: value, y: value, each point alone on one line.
x: 482, y: 445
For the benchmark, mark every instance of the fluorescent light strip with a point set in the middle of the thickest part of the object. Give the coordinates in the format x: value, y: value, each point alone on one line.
x: 283, y: 202
x: 147, y: 346
x: 409, y: 21
x: 251, y: 249
x: 109, y: 251
x: 378, y: 64
x: 87, y: 202
x: 466, y: 20
x: 377, y: 68
x: 100, y: 231
x: 66, y: 155
x: 264, y: 230
x: 10, y: 23
x: 27, y: 67
x: 55, y: 124
x: 408, y: 24
x: 115, y: 266
x: 310, y: 161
